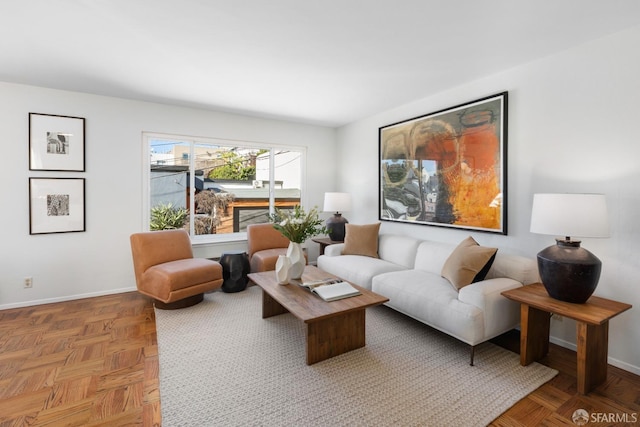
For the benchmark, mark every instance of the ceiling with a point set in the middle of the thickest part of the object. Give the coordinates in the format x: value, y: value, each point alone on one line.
x: 325, y: 62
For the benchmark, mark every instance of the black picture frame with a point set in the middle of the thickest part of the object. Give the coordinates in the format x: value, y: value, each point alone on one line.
x: 56, y: 205
x: 56, y: 143
x: 447, y: 168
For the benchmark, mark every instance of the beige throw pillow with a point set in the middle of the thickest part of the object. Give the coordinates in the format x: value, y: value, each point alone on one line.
x: 468, y: 263
x: 361, y: 240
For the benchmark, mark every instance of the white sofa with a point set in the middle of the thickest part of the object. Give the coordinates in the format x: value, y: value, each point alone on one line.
x: 408, y: 272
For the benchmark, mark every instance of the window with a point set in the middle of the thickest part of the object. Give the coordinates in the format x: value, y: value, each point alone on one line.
x: 214, y: 188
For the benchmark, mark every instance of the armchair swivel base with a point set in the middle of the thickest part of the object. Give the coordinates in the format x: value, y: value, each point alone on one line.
x: 182, y: 303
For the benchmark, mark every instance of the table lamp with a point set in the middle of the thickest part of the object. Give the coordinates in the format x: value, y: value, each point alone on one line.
x: 568, y: 272
x: 336, y: 202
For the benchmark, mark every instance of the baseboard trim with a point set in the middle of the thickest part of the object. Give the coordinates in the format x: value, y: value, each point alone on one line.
x: 610, y: 360
x: 65, y: 298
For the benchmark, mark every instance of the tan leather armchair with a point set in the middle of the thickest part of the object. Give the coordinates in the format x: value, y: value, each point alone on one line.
x: 265, y: 244
x: 166, y: 270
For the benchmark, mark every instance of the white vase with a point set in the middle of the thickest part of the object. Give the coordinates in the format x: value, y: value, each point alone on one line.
x: 283, y: 270
x: 298, y: 261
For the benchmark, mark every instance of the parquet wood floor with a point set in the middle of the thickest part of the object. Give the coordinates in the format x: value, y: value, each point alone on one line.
x: 554, y: 403
x: 90, y: 362
x: 94, y: 362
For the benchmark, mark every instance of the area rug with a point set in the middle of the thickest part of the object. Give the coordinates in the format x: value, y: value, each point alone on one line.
x: 221, y: 364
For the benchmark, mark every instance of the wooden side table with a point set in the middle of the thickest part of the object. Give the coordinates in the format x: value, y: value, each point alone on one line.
x: 592, y: 330
x: 324, y: 242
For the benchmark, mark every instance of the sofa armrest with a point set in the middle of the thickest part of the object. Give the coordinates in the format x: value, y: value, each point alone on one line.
x: 500, y: 313
x: 334, y: 250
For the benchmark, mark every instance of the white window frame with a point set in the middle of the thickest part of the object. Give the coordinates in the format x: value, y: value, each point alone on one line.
x: 215, y: 238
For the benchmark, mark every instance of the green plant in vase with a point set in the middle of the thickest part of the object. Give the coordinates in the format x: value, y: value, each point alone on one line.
x: 297, y: 226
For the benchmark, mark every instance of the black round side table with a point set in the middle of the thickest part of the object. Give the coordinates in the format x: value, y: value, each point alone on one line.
x: 235, y: 267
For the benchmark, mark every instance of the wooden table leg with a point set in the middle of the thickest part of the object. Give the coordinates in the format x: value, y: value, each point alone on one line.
x: 271, y: 307
x: 592, y: 343
x: 335, y: 335
x: 534, y: 334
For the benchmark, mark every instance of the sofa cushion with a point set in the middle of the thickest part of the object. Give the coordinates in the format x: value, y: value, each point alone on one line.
x: 431, y: 256
x: 356, y: 269
x: 468, y: 263
x: 398, y: 249
x: 431, y: 299
x: 522, y: 269
x: 361, y: 240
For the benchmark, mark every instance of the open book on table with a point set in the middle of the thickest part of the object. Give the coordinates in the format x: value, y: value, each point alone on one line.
x: 331, y: 289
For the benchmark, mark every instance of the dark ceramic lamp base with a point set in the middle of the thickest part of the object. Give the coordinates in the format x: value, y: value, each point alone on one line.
x: 336, y: 226
x: 569, y: 273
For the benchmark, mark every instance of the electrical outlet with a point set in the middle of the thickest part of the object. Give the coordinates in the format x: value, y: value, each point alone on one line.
x: 28, y: 282
x: 557, y: 317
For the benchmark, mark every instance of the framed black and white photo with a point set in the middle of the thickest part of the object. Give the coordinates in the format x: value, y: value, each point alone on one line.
x: 56, y: 205
x: 56, y: 143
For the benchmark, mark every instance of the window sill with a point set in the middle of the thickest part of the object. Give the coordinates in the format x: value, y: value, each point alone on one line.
x: 212, y: 240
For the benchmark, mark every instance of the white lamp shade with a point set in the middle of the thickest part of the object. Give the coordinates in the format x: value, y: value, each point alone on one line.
x: 337, y: 202
x: 579, y: 215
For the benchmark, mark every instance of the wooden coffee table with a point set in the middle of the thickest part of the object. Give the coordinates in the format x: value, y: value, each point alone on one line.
x: 332, y: 328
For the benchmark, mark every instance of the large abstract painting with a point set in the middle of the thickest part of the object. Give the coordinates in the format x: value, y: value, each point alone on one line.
x: 447, y: 168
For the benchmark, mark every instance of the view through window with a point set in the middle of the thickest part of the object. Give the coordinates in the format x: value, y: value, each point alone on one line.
x: 212, y: 187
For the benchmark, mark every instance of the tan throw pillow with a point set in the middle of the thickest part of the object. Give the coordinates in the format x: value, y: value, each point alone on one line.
x: 468, y: 263
x: 361, y: 240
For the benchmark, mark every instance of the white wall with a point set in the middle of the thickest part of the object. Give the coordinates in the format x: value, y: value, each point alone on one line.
x: 98, y: 261
x: 573, y: 121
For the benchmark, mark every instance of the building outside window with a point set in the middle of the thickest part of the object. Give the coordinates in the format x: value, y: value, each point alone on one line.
x: 213, y: 187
